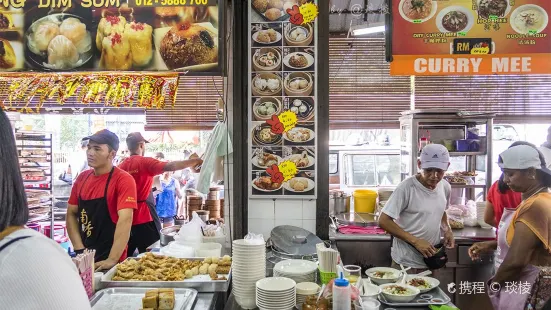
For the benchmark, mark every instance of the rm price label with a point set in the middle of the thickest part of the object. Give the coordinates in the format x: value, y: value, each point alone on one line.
x: 164, y: 3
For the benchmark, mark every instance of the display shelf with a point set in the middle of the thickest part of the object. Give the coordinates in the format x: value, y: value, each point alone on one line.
x: 35, y: 157
x: 443, y: 127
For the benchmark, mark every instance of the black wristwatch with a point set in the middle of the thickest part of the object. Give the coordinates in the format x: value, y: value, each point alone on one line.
x: 77, y: 252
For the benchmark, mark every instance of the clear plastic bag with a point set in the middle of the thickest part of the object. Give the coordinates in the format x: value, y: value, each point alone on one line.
x: 254, y: 239
x: 455, y: 217
x: 469, y: 215
x: 191, y: 231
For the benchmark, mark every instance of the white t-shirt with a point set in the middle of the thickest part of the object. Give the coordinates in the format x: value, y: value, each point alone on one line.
x: 36, y: 274
x: 418, y: 211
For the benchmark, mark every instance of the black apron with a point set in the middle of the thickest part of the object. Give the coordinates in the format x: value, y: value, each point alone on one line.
x: 150, y: 202
x: 97, y: 229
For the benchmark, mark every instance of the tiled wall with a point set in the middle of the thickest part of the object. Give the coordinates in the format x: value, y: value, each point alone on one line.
x: 265, y: 214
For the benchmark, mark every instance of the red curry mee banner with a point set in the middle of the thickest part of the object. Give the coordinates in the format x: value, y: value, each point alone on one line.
x: 470, y: 37
x: 109, y: 35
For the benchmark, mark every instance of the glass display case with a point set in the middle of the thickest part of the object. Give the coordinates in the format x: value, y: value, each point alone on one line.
x: 468, y: 138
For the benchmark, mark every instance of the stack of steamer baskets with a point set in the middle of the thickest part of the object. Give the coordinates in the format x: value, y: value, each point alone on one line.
x: 248, y: 266
x: 214, y: 204
x: 194, y: 203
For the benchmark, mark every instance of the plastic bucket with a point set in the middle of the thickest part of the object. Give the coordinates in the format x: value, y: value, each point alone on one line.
x: 365, y: 201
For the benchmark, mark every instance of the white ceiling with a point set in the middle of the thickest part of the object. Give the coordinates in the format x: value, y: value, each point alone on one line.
x: 340, y: 22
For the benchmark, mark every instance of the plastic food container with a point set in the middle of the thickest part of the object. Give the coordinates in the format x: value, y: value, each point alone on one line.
x: 209, y: 250
x: 365, y: 201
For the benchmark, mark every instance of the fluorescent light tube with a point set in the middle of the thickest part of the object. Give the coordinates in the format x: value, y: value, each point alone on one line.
x: 368, y: 30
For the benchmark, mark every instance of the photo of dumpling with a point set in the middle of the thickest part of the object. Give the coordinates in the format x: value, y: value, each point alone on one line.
x: 62, y: 53
x: 76, y: 31
x: 7, y: 55
x: 141, y: 44
x: 116, y: 53
x: 42, y: 33
x: 58, y: 42
x: 107, y: 26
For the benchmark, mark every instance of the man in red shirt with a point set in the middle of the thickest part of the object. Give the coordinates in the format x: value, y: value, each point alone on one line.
x: 102, y: 204
x: 146, y: 231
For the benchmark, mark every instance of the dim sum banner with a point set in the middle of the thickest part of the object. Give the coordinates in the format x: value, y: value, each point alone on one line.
x: 109, y: 35
x: 470, y: 37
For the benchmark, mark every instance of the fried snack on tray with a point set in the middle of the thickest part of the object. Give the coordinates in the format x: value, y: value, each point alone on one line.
x: 153, y: 267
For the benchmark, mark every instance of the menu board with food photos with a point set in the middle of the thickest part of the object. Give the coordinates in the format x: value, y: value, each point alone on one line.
x: 282, y: 98
x: 98, y: 35
x: 470, y: 37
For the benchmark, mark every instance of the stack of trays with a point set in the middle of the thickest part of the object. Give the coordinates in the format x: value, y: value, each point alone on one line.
x: 194, y: 203
x: 296, y: 269
x: 276, y: 294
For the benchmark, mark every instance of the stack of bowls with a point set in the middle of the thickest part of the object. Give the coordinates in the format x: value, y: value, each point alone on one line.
x: 304, y: 290
x: 480, y: 210
x: 276, y: 294
x: 248, y: 266
x: 297, y: 270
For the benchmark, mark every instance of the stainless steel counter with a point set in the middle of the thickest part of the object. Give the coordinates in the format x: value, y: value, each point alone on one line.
x: 232, y: 305
x: 375, y: 250
x: 466, y: 234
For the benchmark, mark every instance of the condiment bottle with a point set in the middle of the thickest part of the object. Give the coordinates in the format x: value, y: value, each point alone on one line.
x: 341, y: 294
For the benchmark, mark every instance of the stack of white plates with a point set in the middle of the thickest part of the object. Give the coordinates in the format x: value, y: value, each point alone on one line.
x: 297, y: 270
x: 276, y: 294
x: 480, y: 209
x: 304, y: 290
x: 248, y: 266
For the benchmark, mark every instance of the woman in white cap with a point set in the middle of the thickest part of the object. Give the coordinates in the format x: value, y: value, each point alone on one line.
x: 524, y: 239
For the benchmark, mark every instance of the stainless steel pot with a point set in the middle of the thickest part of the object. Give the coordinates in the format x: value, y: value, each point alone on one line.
x: 168, y: 233
x: 338, y: 203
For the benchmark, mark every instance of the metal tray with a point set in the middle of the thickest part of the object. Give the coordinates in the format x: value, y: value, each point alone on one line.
x: 130, y: 298
x: 438, y: 297
x: 201, y: 283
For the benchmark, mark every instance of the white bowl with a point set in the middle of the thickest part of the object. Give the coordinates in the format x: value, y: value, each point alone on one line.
x: 246, y: 302
x: 396, y: 275
x: 400, y: 298
x: 307, y: 288
x: 369, y: 289
x: 295, y: 267
x: 209, y: 250
x: 275, y: 284
x: 434, y: 283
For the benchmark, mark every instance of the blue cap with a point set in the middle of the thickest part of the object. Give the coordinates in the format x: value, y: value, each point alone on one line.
x: 341, y: 282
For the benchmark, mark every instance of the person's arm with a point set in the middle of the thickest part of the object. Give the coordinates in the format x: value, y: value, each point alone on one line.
x: 449, y: 239
x: 395, y: 205
x: 122, y: 234
x: 183, y: 164
x: 178, y: 190
x: 489, y: 215
x: 71, y: 218
x: 71, y: 223
x: 520, y: 252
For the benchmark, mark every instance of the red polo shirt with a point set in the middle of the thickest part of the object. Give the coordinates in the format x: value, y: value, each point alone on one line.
x: 142, y: 169
x: 121, y: 193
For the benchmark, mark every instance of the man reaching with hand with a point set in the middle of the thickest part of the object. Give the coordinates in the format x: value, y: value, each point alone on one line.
x: 415, y: 213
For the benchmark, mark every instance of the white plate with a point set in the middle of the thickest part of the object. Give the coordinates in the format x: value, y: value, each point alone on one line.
x: 311, y: 160
x: 295, y: 267
x: 525, y: 7
x: 264, y: 190
x: 296, y: 128
x: 309, y: 58
x: 458, y: 8
x: 432, y: 281
x: 507, y: 10
x: 431, y: 15
x: 255, y: 38
x: 255, y: 162
x: 275, y: 284
x: 310, y: 187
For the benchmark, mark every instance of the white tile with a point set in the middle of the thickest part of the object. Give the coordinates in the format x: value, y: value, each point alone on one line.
x: 309, y: 225
x: 297, y: 223
x: 288, y: 209
x: 261, y: 208
x: 309, y: 209
x: 261, y: 226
